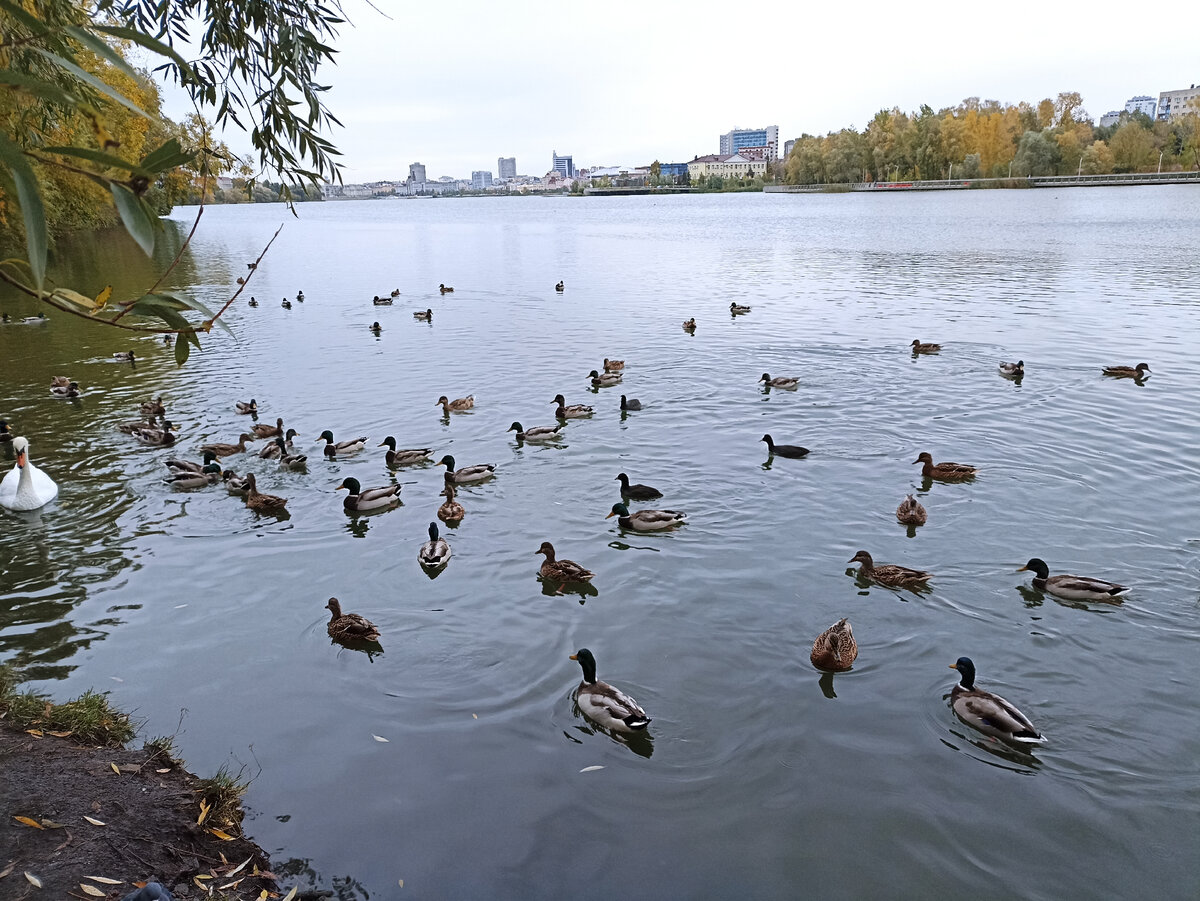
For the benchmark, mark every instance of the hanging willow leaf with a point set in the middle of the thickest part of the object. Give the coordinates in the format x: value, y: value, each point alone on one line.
x: 182, y: 349
x: 32, y: 211
x: 91, y: 80
x: 137, y: 220
x: 103, y: 159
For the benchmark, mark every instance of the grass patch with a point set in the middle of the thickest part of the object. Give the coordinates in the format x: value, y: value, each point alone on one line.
x: 221, y: 795
x: 89, y: 718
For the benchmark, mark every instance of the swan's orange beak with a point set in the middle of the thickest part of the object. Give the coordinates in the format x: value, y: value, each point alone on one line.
x: 21, y: 459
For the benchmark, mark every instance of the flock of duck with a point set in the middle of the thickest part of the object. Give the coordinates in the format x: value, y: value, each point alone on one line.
x: 27, y: 488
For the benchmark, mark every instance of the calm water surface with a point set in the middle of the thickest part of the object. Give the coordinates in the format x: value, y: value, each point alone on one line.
x: 759, y: 776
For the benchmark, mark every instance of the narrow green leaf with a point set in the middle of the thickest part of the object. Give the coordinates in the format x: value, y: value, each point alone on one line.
x: 150, y: 304
x: 34, y: 24
x: 209, y: 314
x: 103, y: 159
x: 168, y: 156
x: 144, y: 40
x: 101, y: 48
x: 135, y: 217
x: 32, y: 211
x: 36, y: 87
x: 182, y: 349
x: 92, y: 80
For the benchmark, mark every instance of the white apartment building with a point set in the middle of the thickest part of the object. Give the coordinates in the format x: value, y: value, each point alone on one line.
x: 1142, y: 104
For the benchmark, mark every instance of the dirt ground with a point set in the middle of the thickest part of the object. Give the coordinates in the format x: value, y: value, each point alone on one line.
x: 149, y: 832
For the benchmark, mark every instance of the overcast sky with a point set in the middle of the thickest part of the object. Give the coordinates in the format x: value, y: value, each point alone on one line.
x: 624, y: 83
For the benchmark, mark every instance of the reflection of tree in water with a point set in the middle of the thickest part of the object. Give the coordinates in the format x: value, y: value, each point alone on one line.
x: 300, y: 870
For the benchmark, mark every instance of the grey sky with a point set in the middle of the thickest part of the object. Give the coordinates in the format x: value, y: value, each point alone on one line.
x: 624, y: 83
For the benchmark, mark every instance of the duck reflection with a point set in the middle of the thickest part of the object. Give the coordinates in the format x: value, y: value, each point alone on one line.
x: 640, y: 743
x: 584, y: 590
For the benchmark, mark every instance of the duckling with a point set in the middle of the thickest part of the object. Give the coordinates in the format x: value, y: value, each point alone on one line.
x: 1140, y: 371
x: 451, y: 510
x: 252, y: 302
x: 381, y: 301
x: 574, y: 411
x: 637, y: 492
x: 349, y: 626
x: 287, y: 304
x: 423, y: 315
x: 910, y: 512
x: 209, y: 475
x: 538, y: 432
x: 889, y: 574
x: 404, y: 457
x: 737, y: 309
x: 262, y: 503
x: 945, y: 472
x: 71, y: 389
x: 125, y: 356
x: 781, y: 381
x: 689, y: 325
x: 630, y: 404
x: 435, y: 552
x: 919, y: 348
x: 445, y: 289
x: 287, y: 460
x: 561, y: 570
x: 153, y: 407
x: 360, y: 500
x: 987, y: 712
x: 1012, y: 370
x: 1075, y: 588
x: 5, y: 435
x: 476, y: 473
x: 234, y: 483
x: 225, y: 450
x: 155, y: 437
x: 835, y: 649
x: 603, y: 704
x: 262, y: 430
x: 613, y: 365
x: 560, y: 287
x: 456, y: 406
x: 189, y: 466
x: 646, y: 520
x: 604, y: 381
x: 247, y: 408
x: 794, y: 451
x: 333, y: 449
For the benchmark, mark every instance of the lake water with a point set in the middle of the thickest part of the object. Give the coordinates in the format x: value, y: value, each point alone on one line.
x: 759, y: 779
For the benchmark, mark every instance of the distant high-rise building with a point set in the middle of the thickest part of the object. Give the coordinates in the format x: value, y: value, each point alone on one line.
x: 1142, y: 104
x: 1176, y: 103
x: 787, y: 147
x: 506, y: 167
x: 733, y: 141
x: 564, y: 165
x: 416, y: 173
x: 1112, y: 117
x: 481, y: 179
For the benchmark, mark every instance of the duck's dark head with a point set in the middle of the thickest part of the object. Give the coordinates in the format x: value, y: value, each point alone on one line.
x: 1037, y: 566
x: 587, y: 663
x: 447, y: 461
x: 1142, y: 367
x: 389, y: 442
x: 560, y: 400
x: 351, y: 485
x: 966, y: 671
x: 326, y: 436
x: 618, y: 510
x: 547, y: 548
x: 433, y: 531
x: 334, y: 607
x: 515, y: 427
x: 862, y: 557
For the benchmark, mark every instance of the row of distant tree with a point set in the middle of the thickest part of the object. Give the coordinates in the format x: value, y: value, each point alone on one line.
x: 986, y: 139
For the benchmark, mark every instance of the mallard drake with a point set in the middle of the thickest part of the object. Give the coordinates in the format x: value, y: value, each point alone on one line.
x: 287, y: 304
x: 889, y: 573
x: 919, y: 348
x: 445, y: 289
x: 1012, y: 370
x: 781, y: 381
x: 607, y: 380
x: 911, y: 513
x: 71, y: 389
x: 944, y: 472
x: 381, y: 301
x: 300, y: 296
x: 835, y: 649
x: 1075, y: 588
x: 423, y: 315
x: 26, y: 487
x: 404, y: 457
x: 560, y: 287
x: 574, y: 411
x: 247, y: 408
x: 630, y: 404
x: 209, y: 475
x: 435, y: 552
x: 737, y: 309
x: 335, y: 448
x: 234, y: 483
x: 153, y: 407
x: 689, y: 325
x: 538, y: 432
x: 5, y: 434
x: 456, y: 406
x: 262, y: 503
x: 636, y: 492
x: 361, y: 500
x: 39, y: 319
x: 794, y: 451
x: 252, y: 302
x: 189, y: 466
x: 349, y: 626
x: 476, y: 473
x: 262, y: 430
x: 613, y: 365
x: 1141, y: 370
x: 987, y: 712
x: 287, y: 440
x: 561, y: 570
x: 225, y: 450
x: 288, y: 460
x: 125, y: 356
x: 451, y: 510
x: 603, y: 704
x: 162, y: 437
x: 646, y: 520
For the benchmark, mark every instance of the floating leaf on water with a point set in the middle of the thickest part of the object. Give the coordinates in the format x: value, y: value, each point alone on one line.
x: 474, y: 716
x: 116, y: 678
x: 33, y: 880
x: 92, y: 890
x: 116, y: 769
x: 223, y: 836
x: 380, y: 738
x: 180, y: 606
x: 103, y: 880
x: 95, y: 822
x: 28, y: 821
x: 591, y: 769
x: 401, y: 883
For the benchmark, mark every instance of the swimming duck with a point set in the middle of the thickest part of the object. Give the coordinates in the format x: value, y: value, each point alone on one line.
x: 689, y: 325
x: 476, y: 473
x: 60, y: 381
x: 288, y: 444
x: 209, y: 475
x: 150, y: 422
x: 287, y: 304
x: 300, y: 296
x: 234, y: 483
x: 794, y: 451
x: 613, y: 365
x: 889, y: 573
x: 252, y: 302
x: 395, y: 292
x: 574, y: 411
x: 348, y: 626
x: 910, y: 512
x: 561, y: 570
x: 270, y: 451
x: 435, y: 552
x: 1141, y: 370
x: 39, y: 319
x: 189, y: 466
x: 646, y: 520
x: 26, y: 487
x: 451, y: 510
x: 603, y: 704
x: 375, y: 327
x: 224, y: 450
x: 630, y: 404
x: 919, y: 348
x: 1075, y: 588
x: 457, y: 405
x: 125, y: 356
x: 360, y: 500
x: 445, y: 290
x: 835, y: 649
x: 781, y: 381
x: 637, y: 492
x: 560, y: 287
x: 404, y: 457
x: 944, y: 472
x: 71, y: 389
x: 604, y: 381
x: 736, y: 309
x: 245, y: 408
x: 987, y: 712
x: 332, y: 448
x: 153, y: 407
x: 381, y: 301
x: 537, y: 433
x: 162, y: 437
x: 262, y: 430
x: 262, y: 503
x: 5, y: 434
x: 288, y: 460
x: 423, y: 315
x: 1013, y: 370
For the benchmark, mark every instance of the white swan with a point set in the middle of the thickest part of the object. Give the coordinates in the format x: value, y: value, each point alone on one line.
x: 26, y: 487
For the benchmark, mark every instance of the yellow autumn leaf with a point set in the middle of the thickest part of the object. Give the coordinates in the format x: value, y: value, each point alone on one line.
x: 229, y: 885
x: 103, y: 296
x: 36, y: 733
x: 74, y: 298
x: 94, y: 821
x: 33, y: 880
x: 116, y: 769
x: 223, y: 836
x: 61, y: 734
x: 103, y: 880
x: 29, y: 822
x: 92, y: 890
x: 264, y: 895
x: 205, y: 807
x: 290, y: 895
x: 50, y: 824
